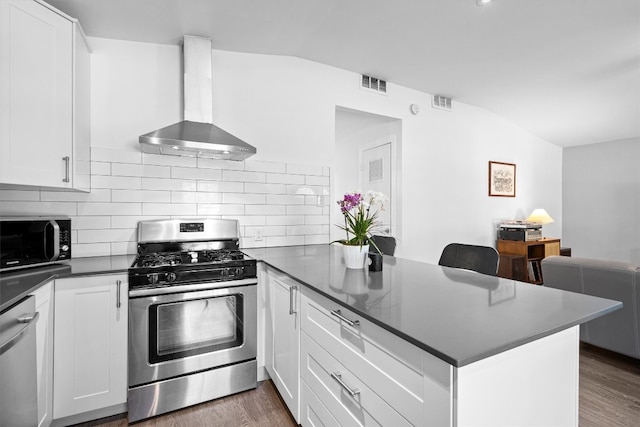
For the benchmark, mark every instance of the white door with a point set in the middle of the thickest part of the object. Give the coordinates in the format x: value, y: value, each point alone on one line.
x: 376, y: 173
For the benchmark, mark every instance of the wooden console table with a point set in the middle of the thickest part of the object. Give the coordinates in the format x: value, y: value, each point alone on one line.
x: 533, y: 252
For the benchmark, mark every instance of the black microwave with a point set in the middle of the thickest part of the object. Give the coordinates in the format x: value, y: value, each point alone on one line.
x: 32, y: 241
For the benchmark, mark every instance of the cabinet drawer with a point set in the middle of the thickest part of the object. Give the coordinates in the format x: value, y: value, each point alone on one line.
x: 364, y: 408
x: 389, y: 365
x: 312, y: 411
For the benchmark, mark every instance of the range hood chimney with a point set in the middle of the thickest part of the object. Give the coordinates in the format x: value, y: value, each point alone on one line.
x: 196, y: 136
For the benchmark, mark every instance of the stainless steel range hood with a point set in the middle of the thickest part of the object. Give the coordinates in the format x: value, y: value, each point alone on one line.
x: 196, y: 136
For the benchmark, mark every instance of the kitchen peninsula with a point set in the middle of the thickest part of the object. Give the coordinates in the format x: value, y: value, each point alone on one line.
x: 468, y: 348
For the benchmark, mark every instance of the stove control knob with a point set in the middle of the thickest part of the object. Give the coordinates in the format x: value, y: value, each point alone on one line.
x: 238, y: 271
x: 152, y: 278
x: 171, y: 277
x: 224, y: 272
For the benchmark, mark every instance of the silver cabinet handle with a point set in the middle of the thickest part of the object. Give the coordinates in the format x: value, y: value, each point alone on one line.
x: 29, y: 320
x: 292, y: 289
x: 338, y: 377
x: 66, y: 168
x: 118, y: 283
x: 339, y: 315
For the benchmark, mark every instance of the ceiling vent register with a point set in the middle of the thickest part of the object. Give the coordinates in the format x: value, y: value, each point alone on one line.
x: 371, y: 83
x: 441, y: 103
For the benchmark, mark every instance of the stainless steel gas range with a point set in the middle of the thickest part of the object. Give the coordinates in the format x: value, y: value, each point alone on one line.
x: 192, y: 316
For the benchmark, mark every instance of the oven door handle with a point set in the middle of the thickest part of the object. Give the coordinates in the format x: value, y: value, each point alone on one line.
x: 191, y: 287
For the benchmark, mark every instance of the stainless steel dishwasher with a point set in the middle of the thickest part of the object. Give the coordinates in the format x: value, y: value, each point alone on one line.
x: 18, y: 396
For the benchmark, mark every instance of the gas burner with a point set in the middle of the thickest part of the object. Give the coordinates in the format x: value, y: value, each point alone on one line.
x: 159, y: 259
x: 222, y: 255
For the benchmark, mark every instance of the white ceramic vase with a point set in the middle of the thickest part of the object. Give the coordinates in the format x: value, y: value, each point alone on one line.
x: 355, y: 255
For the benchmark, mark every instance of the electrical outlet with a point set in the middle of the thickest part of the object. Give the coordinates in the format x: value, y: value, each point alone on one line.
x: 259, y: 234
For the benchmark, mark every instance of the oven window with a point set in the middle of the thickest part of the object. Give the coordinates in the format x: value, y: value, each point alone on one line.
x: 188, y: 328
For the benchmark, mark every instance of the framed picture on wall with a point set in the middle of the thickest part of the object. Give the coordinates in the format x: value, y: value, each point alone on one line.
x: 502, y: 179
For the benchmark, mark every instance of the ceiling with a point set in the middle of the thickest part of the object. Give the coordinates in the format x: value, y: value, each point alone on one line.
x: 567, y: 71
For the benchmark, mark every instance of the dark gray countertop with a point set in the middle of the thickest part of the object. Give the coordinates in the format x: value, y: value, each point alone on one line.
x: 15, y: 285
x: 459, y: 316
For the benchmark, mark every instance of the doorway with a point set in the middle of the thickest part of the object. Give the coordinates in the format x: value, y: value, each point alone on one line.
x: 367, y: 148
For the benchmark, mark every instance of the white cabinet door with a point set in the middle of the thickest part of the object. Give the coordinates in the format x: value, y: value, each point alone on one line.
x: 282, y: 328
x: 90, y: 346
x: 44, y: 351
x: 37, y: 92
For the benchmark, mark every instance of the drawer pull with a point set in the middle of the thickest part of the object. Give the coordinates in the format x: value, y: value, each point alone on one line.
x: 292, y: 289
x: 338, y: 377
x: 339, y: 315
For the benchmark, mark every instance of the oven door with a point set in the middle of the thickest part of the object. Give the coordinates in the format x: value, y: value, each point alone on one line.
x: 193, y: 330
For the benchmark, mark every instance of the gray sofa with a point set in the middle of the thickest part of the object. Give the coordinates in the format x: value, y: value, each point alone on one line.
x: 618, y: 331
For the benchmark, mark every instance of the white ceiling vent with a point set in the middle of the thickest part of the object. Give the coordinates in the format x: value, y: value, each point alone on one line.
x: 373, y: 84
x: 441, y: 103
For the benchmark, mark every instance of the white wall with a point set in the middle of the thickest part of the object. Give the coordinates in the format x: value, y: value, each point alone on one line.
x: 286, y: 108
x: 601, y: 200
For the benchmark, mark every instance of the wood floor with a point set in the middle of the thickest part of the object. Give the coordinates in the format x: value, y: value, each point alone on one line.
x: 609, y: 397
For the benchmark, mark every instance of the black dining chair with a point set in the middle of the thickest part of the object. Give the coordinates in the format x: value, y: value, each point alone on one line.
x: 483, y: 259
x: 386, y: 244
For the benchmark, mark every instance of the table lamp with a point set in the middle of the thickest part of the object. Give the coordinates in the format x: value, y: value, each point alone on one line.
x: 540, y: 216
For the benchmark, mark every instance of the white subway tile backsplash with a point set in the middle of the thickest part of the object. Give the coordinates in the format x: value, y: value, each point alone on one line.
x: 247, y: 220
x: 258, y: 187
x: 275, y: 199
x: 129, y: 186
x: 265, y: 210
x: 221, y: 187
x: 285, y: 220
x: 162, y: 160
x: 90, y: 222
x: 283, y: 178
x: 219, y: 209
x: 195, y: 197
x: 141, y: 196
x: 317, y: 180
x: 307, y: 190
x: 193, y: 173
x: 181, y: 209
x: 317, y: 239
x: 277, y: 230
x: 244, y: 198
x: 106, y: 235
x: 148, y: 171
x: 302, y: 230
x: 220, y: 164
x: 116, y: 182
x: 316, y: 219
x: 110, y: 209
x: 81, y: 250
x: 131, y: 221
x: 96, y: 195
x: 284, y: 241
x: 123, y: 248
x: 257, y: 166
x: 19, y: 195
x: 304, y: 210
x: 100, y: 168
x: 38, y: 208
x: 243, y: 176
x: 168, y: 184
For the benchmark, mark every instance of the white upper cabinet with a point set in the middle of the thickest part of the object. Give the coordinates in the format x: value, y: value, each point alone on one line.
x: 44, y: 97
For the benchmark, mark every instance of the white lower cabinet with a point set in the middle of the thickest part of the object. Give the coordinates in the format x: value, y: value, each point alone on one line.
x: 44, y: 352
x: 282, y: 336
x: 90, y: 346
x: 356, y: 373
